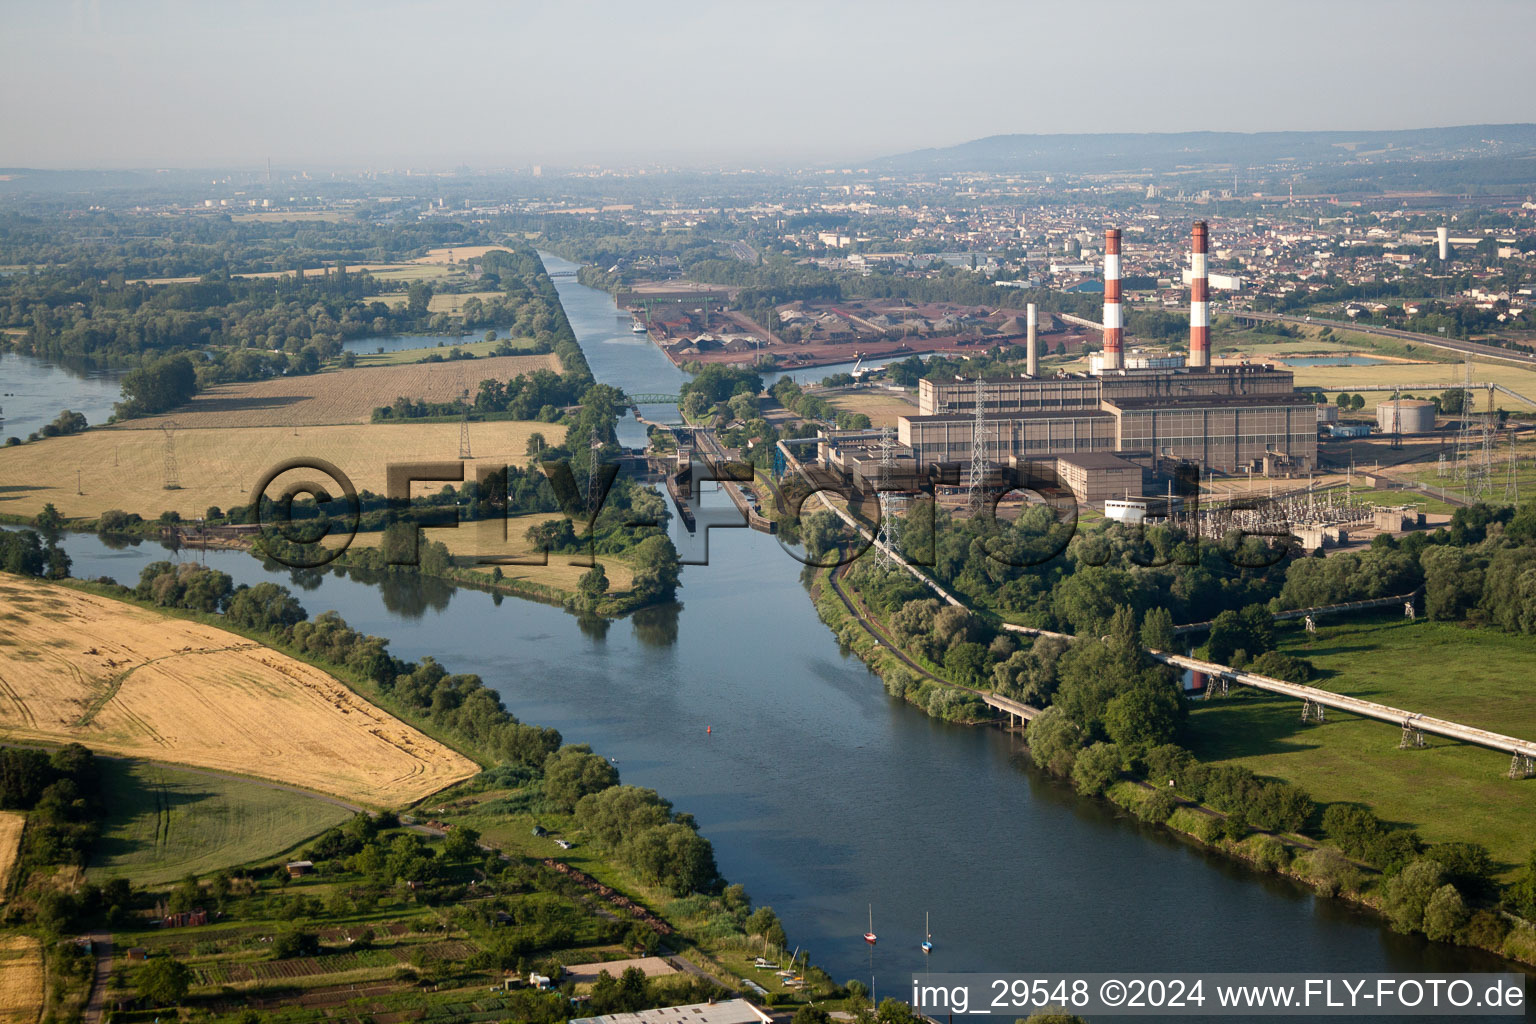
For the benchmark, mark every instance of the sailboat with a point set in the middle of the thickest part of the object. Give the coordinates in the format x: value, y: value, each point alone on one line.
x: 927, y: 935
x: 869, y: 936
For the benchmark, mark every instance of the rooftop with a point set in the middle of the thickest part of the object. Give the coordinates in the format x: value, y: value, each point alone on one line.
x: 731, y: 1011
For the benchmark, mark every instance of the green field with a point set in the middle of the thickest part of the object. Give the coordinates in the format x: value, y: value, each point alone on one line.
x: 479, y: 349
x: 165, y: 822
x: 1392, y: 499
x: 1446, y: 790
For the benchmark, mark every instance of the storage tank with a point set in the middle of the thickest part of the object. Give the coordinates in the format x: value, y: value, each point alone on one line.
x: 1411, y: 416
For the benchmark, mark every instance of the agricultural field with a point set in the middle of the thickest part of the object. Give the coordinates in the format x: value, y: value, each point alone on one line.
x: 1341, y: 378
x: 436, y: 265
x: 479, y: 349
x: 21, y: 979
x: 340, y: 396
x: 126, y: 468
x: 882, y: 407
x: 11, y: 824
x: 124, y: 680
x: 444, y: 302
x: 163, y: 823
x: 1446, y: 790
x: 1227, y: 341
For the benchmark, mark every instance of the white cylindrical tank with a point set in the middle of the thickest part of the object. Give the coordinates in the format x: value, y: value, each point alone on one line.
x: 1406, y: 416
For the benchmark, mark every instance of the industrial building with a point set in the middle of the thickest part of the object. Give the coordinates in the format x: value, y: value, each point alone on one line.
x: 1228, y: 419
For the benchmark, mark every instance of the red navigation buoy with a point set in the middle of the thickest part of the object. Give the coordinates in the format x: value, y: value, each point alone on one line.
x: 709, y: 729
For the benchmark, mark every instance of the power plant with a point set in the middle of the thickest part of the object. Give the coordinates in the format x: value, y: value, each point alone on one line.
x: 1097, y: 430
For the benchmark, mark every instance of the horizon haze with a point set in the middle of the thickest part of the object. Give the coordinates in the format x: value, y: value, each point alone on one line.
x: 167, y: 84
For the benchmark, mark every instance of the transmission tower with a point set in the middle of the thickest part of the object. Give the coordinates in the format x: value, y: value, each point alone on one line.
x: 172, y: 473
x: 1512, y: 477
x: 596, y: 447
x: 1466, y: 458
x: 978, y: 478
x: 1397, y: 412
x: 464, y: 427
x: 890, y: 504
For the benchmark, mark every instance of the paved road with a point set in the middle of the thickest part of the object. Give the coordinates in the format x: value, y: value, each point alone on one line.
x: 101, y: 945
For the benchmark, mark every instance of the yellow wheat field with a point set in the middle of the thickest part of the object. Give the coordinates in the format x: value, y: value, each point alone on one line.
x: 21, y: 979
x: 85, y: 474
x: 124, y: 680
x: 341, y: 396
x: 11, y: 824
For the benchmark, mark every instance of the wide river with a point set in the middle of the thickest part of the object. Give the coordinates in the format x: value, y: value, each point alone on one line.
x: 823, y: 795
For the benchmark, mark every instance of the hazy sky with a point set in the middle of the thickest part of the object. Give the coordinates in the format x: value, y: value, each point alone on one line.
x: 147, y: 83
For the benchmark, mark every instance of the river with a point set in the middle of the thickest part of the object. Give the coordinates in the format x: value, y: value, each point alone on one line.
x: 34, y: 391
x: 822, y: 794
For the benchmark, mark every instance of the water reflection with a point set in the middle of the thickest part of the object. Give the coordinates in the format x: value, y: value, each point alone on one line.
x: 593, y: 627
x: 656, y: 626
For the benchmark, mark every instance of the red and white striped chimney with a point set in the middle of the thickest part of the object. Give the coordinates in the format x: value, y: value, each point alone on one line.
x: 1199, y: 300
x: 1114, y: 346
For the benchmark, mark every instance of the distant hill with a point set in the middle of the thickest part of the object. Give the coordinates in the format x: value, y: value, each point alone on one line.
x: 1259, y: 151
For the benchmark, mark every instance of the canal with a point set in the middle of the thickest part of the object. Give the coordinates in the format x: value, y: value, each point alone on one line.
x: 823, y: 795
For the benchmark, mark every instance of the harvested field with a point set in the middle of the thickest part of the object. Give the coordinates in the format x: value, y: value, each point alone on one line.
x: 650, y: 966
x: 340, y: 396
x: 883, y: 408
x: 447, y: 302
x: 430, y: 265
x: 458, y: 253
x: 21, y: 979
x: 11, y: 824
x: 124, y: 680
x: 126, y: 468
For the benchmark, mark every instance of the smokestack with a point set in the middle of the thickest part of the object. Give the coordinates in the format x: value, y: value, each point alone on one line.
x: 1114, y: 351
x: 1199, y: 299
x: 1032, y: 360
x: 1444, y: 236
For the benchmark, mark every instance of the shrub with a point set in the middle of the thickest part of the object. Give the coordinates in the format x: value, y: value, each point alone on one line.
x: 1157, y: 807
x: 1444, y: 914
x: 1486, y: 929
x: 1409, y: 892
x: 1054, y: 741
x: 1095, y: 768
x: 1330, y: 871
x: 1207, y: 829
x: 1270, y: 854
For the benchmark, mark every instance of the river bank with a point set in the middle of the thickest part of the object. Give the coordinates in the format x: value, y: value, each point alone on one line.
x: 1302, y: 859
